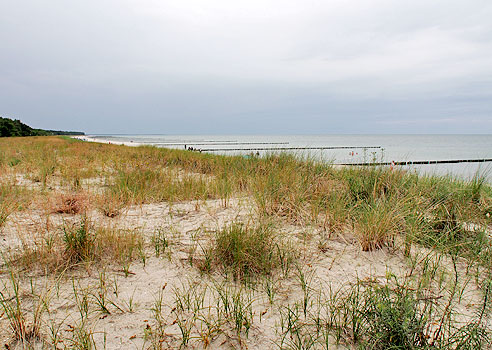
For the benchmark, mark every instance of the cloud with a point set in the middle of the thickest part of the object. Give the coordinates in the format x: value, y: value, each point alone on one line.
x: 227, y: 60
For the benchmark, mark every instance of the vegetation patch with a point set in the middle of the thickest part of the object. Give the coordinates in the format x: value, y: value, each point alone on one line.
x: 246, y: 251
x: 25, y: 326
x: 156, y: 185
x: 433, y: 304
x: 14, y: 127
x: 79, y: 243
x: 378, y: 224
x: 12, y: 198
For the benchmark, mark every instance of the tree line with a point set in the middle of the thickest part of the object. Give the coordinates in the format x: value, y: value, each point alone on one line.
x: 14, y: 127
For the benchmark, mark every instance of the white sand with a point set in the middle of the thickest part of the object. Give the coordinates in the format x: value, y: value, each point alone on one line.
x: 188, y: 227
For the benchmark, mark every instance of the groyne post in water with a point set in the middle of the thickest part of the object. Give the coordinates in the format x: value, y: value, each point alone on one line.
x: 416, y: 162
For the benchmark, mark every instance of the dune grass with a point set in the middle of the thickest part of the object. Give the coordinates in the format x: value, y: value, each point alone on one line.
x: 373, y: 207
x: 80, y: 243
x: 378, y: 203
x: 397, y: 314
x: 246, y: 252
x: 284, y: 186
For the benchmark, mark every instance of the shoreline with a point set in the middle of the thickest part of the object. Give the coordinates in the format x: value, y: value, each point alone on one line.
x: 108, y: 142
x: 466, y: 171
x: 153, y: 266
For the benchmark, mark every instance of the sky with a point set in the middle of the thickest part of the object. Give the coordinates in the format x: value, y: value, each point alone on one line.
x: 248, y: 67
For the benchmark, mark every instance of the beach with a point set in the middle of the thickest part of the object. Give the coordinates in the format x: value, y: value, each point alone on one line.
x: 113, y: 244
x: 341, y: 149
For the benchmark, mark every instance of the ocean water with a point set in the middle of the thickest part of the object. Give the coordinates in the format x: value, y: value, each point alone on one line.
x: 393, y: 148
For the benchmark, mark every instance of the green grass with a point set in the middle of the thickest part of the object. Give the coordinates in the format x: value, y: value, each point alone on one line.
x: 25, y: 328
x: 378, y: 224
x: 76, y: 244
x: 396, y: 316
x: 285, y: 187
x: 382, y: 208
x: 12, y: 198
x: 150, y: 185
x: 79, y: 242
x: 412, y: 312
x: 204, y: 311
x: 244, y: 251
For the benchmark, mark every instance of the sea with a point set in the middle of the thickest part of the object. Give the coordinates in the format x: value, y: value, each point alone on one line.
x: 343, y: 149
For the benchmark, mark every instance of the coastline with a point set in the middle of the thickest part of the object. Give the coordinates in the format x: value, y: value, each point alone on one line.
x: 92, y: 139
x: 401, y: 149
x: 154, y: 273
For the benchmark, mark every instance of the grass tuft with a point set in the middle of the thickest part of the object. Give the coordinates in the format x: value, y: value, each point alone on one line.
x: 246, y: 251
x: 80, y: 242
x: 377, y: 224
x: 26, y: 331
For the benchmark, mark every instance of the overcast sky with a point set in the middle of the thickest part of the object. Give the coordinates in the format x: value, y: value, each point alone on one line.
x: 255, y: 66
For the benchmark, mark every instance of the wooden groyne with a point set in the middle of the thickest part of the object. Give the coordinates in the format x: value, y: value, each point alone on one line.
x: 285, y: 148
x: 417, y: 162
x: 219, y: 143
